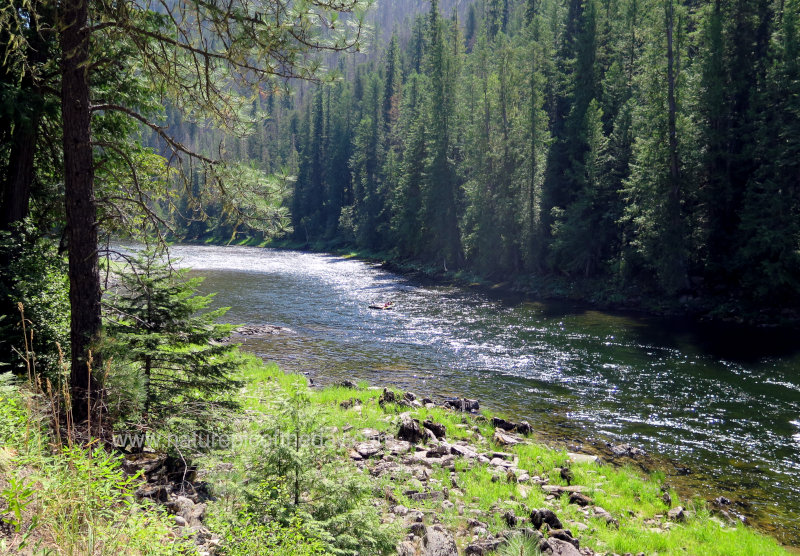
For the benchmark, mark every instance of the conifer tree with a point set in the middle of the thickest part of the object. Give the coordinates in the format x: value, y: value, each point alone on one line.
x: 156, y: 320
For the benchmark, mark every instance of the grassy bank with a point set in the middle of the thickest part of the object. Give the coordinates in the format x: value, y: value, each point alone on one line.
x: 463, y: 489
x: 321, y: 471
x: 69, y: 500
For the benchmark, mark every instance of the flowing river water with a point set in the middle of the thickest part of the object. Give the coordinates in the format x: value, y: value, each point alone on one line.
x: 717, y: 406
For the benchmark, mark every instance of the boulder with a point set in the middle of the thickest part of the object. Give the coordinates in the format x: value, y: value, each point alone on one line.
x: 564, y: 535
x: 605, y: 515
x: 524, y: 427
x: 626, y: 450
x: 438, y: 541
x: 503, y: 424
x: 368, y: 449
x: 410, y: 431
x: 463, y: 451
x: 387, y: 396
x: 579, y: 499
x: 437, y: 429
x: 348, y: 384
x: 581, y: 458
x: 542, y: 516
x: 505, y: 439
x: 557, y: 547
x: 462, y: 404
x: 484, y: 546
x: 406, y: 548
x: 397, y: 447
x: 676, y: 514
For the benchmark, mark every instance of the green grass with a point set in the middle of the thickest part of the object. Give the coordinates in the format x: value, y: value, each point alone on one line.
x: 634, y: 499
x: 71, y: 501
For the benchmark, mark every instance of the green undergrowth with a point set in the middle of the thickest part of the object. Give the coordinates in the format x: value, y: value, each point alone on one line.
x: 633, y: 499
x: 70, y: 501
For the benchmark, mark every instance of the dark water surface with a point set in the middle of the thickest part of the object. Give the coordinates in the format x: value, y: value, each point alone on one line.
x: 722, y: 401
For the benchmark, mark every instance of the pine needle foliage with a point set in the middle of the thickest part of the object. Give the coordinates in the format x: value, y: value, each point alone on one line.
x: 156, y: 320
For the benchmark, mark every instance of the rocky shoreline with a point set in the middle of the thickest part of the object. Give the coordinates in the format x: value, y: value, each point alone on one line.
x: 411, y: 452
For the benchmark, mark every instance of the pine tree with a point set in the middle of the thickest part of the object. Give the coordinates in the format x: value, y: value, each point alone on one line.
x: 439, y: 194
x: 156, y: 320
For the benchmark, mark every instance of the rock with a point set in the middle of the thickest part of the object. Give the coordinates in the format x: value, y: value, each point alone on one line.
x: 524, y: 427
x: 474, y: 523
x: 582, y: 458
x: 503, y: 424
x: 426, y: 401
x: 626, y: 450
x: 558, y: 490
x: 417, y: 528
x: 179, y: 521
x: 146, y: 462
x: 157, y: 493
x: 397, y: 447
x: 462, y: 404
x: 400, y: 510
x: 485, y: 546
x: 497, y: 462
x: 438, y: 451
x: 579, y: 499
x: 510, y: 518
x: 194, y: 516
x: 722, y: 501
x: 368, y: 449
x: 667, y: 499
x: 557, y: 547
x: 447, y: 505
x: 505, y: 439
x: 410, y: 431
x: 564, y: 535
x: 437, y: 429
x: 348, y: 384
x: 355, y: 456
x: 430, y: 495
x: 605, y: 515
x: 347, y: 404
x: 370, y: 434
x: 463, y: 451
x: 409, y: 397
x: 438, y: 541
x: 676, y: 514
x: 387, y: 396
x: 542, y: 516
x: 406, y: 548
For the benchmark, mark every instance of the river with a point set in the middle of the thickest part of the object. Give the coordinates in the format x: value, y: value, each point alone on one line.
x: 720, y: 400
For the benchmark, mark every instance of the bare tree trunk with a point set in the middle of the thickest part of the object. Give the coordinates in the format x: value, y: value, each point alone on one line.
x: 81, y: 209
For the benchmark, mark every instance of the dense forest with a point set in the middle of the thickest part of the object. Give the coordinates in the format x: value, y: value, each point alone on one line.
x: 643, y: 149
x: 653, y: 144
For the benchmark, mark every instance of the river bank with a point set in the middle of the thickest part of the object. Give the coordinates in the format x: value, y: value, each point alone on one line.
x: 717, y: 406
x: 445, y: 481
x: 379, y: 471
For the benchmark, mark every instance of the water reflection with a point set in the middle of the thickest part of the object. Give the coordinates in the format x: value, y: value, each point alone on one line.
x: 720, y: 399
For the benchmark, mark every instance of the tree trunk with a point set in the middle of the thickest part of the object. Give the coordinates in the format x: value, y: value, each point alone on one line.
x: 680, y: 278
x: 17, y: 185
x: 81, y: 209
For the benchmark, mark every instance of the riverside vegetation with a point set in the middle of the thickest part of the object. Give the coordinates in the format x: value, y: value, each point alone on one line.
x: 352, y: 486
x: 346, y: 469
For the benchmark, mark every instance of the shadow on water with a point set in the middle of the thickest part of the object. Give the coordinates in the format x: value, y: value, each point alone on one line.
x: 722, y: 401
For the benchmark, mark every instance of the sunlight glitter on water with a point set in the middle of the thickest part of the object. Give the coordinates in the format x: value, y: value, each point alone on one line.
x: 703, y: 396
